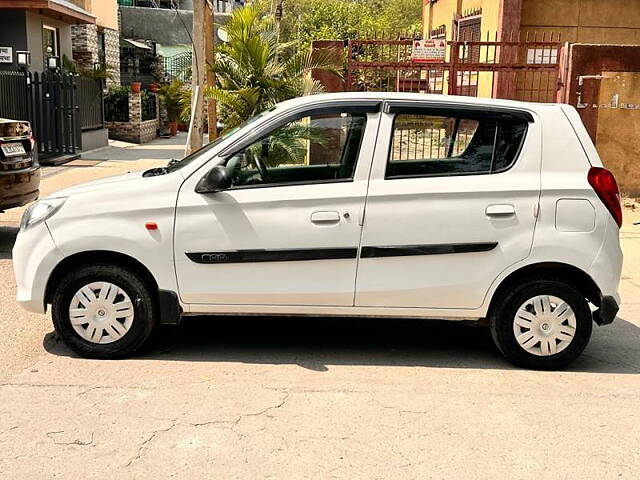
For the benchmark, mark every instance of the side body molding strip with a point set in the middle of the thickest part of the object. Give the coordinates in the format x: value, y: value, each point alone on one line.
x: 296, y: 255
x: 437, y: 249
x: 260, y: 256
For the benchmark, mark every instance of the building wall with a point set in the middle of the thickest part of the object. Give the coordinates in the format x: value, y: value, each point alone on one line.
x: 13, y: 34
x: 584, y: 21
x: 106, y: 11
x: 444, y: 12
x: 619, y: 129
x: 34, y: 23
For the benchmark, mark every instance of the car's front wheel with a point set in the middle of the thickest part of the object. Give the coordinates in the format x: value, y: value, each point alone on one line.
x: 541, y: 324
x: 103, y: 311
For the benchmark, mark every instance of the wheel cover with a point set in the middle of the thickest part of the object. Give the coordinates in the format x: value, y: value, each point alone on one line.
x: 101, y: 312
x: 544, y: 325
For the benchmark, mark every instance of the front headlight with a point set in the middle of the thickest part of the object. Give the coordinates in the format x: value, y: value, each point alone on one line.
x: 40, y: 211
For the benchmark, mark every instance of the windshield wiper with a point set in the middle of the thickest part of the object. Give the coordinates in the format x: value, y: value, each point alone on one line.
x: 155, y: 172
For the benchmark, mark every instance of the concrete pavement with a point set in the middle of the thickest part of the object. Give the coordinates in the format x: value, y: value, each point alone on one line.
x: 258, y: 397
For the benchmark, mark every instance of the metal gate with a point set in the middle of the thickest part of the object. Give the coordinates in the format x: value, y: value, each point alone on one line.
x: 178, y: 66
x: 53, y: 113
x: 516, y: 69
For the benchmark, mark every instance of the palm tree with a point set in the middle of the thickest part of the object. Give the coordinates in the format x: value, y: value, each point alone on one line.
x: 254, y: 71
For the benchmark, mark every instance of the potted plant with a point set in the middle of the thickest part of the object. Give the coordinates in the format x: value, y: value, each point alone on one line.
x: 171, y: 95
x: 136, y: 87
x: 154, y: 87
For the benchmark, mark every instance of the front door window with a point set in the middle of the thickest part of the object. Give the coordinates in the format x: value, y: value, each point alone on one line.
x: 312, y: 149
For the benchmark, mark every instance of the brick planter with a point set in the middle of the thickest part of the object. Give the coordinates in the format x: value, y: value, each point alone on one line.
x: 135, y: 130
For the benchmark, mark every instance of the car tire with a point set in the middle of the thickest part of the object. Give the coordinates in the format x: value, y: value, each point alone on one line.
x: 123, y: 307
x: 532, y: 324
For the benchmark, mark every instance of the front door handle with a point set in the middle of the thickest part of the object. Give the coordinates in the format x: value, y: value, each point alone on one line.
x: 325, y: 217
x: 500, y: 210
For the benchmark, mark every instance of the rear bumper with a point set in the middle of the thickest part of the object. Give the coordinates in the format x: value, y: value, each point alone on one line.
x: 17, y: 188
x: 607, y: 312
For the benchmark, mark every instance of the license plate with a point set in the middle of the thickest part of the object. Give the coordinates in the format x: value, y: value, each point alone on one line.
x: 13, y: 149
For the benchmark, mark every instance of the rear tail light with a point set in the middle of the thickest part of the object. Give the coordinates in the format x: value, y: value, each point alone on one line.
x: 604, y: 184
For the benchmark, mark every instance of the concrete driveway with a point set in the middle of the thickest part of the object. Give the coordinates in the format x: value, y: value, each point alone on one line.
x: 322, y: 398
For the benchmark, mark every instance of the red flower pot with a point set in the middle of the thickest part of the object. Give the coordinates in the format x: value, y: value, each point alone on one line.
x: 154, y: 87
x: 136, y: 87
x: 173, y: 128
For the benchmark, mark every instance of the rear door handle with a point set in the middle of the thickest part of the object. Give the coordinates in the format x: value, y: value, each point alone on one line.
x: 325, y: 217
x: 500, y: 210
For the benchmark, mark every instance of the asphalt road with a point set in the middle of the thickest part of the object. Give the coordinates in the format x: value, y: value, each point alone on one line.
x: 258, y: 397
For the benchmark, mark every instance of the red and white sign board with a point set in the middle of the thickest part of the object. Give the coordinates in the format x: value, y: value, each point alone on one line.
x: 429, y: 51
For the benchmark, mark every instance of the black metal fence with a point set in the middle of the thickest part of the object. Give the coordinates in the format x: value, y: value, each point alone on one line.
x: 90, y: 103
x: 58, y: 105
x: 13, y: 95
x: 116, y: 106
x: 148, y: 106
x: 53, y: 107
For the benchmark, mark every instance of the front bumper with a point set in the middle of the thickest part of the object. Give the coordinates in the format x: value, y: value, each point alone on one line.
x: 607, y: 312
x: 35, y: 255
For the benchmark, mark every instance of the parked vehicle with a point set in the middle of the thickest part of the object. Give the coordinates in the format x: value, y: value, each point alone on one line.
x: 359, y: 204
x: 19, y: 169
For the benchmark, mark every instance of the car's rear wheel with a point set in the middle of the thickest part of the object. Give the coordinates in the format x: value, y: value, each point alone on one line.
x: 103, y: 311
x: 541, y: 324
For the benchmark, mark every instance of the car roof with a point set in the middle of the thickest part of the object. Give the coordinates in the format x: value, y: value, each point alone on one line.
x: 417, y: 97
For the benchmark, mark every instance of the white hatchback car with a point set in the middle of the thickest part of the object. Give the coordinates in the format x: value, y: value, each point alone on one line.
x: 395, y: 205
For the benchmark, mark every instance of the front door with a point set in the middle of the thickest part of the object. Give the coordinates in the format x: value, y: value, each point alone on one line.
x: 451, y: 204
x: 287, y: 232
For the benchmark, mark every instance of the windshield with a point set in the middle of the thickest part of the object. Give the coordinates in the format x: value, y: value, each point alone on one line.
x: 177, y: 165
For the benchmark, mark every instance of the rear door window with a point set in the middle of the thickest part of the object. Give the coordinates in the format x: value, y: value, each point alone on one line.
x: 443, y: 145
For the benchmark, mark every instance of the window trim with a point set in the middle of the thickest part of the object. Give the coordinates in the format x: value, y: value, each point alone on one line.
x: 364, y: 108
x: 367, y: 106
x: 479, y: 111
x: 289, y: 184
x: 56, y: 45
x: 460, y: 113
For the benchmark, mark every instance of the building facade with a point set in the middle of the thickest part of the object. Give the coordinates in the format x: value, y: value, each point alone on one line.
x: 98, y: 43
x: 575, y: 21
x: 159, y: 32
x: 41, y: 28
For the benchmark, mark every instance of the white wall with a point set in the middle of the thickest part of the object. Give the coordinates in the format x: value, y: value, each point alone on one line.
x: 34, y: 38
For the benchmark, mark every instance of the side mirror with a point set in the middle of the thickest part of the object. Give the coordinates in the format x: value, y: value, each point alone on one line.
x: 216, y: 180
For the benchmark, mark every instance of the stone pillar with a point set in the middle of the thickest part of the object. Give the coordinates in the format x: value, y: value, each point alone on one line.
x: 112, y: 55
x: 135, y: 108
x: 84, y: 41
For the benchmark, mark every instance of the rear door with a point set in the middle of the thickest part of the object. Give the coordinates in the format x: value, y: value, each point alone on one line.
x: 452, y: 202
